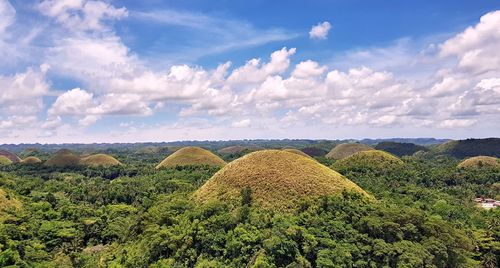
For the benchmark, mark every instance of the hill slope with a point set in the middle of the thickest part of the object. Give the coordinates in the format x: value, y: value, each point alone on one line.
x: 470, y: 147
x: 480, y: 162
x: 4, y: 161
x: 98, y: 160
x: 63, y: 158
x: 13, y: 157
x: 191, y: 156
x: 297, y: 152
x: 347, y: 149
x: 276, y: 178
x: 400, y: 148
x: 373, y: 160
x: 31, y: 160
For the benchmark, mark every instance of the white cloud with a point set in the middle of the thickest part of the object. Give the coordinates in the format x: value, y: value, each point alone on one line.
x: 81, y: 14
x: 242, y: 124
x: 476, y: 48
x: 320, y: 31
x: 457, y: 123
x: 308, y: 69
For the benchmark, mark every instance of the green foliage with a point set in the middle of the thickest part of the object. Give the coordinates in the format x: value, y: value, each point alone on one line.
x: 134, y: 216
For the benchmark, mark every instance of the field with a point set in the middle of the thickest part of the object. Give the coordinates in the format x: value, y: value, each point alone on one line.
x: 273, y: 207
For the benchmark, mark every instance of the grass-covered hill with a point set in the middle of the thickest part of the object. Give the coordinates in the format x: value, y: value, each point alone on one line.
x: 469, y: 147
x: 13, y: 157
x: 480, y: 162
x: 274, y: 179
x: 4, y: 161
x: 237, y: 149
x: 63, y: 158
x: 400, y: 148
x: 97, y: 160
x: 30, y: 160
x: 191, y: 156
x: 371, y: 160
x: 296, y: 151
x: 347, y: 149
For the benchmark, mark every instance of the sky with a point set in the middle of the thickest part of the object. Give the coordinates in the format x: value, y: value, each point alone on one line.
x: 84, y: 71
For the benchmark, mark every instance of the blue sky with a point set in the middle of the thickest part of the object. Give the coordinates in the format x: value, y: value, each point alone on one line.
x: 124, y: 71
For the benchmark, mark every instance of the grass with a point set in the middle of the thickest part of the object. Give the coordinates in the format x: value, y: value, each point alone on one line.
x: 238, y: 149
x: 191, y: 156
x: 277, y: 180
x: 480, y: 162
x: 63, y: 158
x: 4, y: 161
x: 31, y: 160
x: 13, y: 157
x: 372, y: 159
x: 347, y: 149
x: 99, y: 160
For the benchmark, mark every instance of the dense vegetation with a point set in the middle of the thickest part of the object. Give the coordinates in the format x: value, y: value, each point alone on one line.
x: 135, y: 216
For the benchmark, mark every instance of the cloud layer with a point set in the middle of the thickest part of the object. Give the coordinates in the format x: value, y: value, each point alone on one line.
x: 266, y: 96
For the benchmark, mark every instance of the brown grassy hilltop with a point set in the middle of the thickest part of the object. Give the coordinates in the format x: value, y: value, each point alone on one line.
x: 277, y: 179
x: 99, y: 160
x: 480, y: 162
x: 191, y: 156
x: 30, y: 160
x: 13, y: 157
x: 63, y: 158
x: 347, y: 149
x: 296, y: 151
x: 372, y: 159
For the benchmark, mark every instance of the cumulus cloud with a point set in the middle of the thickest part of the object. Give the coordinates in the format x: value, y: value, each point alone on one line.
x: 320, y: 31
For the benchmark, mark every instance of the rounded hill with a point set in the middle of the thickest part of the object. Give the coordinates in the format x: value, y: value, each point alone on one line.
x: 296, y: 151
x: 30, y: 160
x: 63, y: 158
x: 480, y: 162
x: 347, y: 149
x: 372, y: 159
x: 4, y: 161
x: 314, y: 151
x: 11, y: 156
x: 400, y: 148
x: 238, y: 149
x: 275, y: 178
x: 191, y: 156
x: 99, y: 160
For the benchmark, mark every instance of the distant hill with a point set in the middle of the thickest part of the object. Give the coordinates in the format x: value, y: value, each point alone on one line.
x: 469, y: 147
x: 400, y: 148
x: 417, y: 141
x: 314, y: 151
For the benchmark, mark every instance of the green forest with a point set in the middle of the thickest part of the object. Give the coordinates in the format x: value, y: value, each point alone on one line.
x: 422, y: 214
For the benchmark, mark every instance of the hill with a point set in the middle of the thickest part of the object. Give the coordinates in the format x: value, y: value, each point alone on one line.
x: 13, y: 157
x: 30, y: 160
x: 400, y: 148
x: 275, y: 178
x: 238, y: 149
x: 347, y: 149
x: 4, y: 161
x: 480, y: 162
x: 470, y: 147
x: 63, y: 158
x: 297, y: 152
x: 99, y: 160
x: 191, y: 156
x: 314, y: 151
x: 373, y: 160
